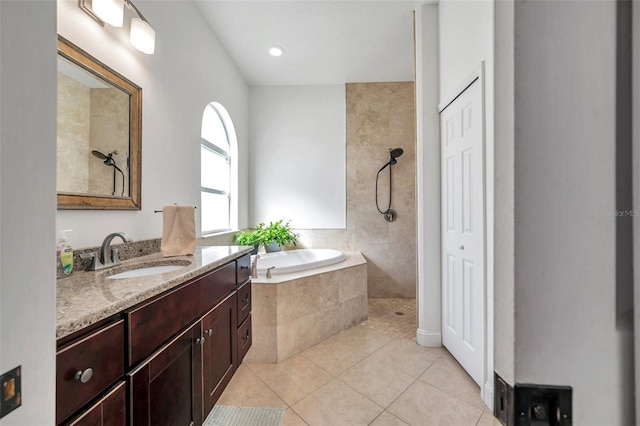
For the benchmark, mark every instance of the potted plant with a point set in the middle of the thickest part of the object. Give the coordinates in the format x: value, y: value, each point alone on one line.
x: 276, y: 235
x: 248, y: 237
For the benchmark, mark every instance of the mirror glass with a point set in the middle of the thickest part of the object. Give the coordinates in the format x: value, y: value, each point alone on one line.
x: 98, y: 138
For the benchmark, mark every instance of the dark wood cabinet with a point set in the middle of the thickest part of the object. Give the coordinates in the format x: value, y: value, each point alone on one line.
x: 219, y: 350
x: 244, y: 332
x: 165, y: 361
x: 164, y: 390
x: 109, y: 410
x: 244, y: 339
x: 87, y: 366
x: 150, y: 324
x: 244, y: 301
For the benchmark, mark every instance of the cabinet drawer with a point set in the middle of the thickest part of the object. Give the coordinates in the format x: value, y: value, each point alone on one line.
x: 97, y: 358
x: 244, y: 339
x: 108, y: 411
x: 243, y: 271
x: 151, y: 324
x: 244, y: 302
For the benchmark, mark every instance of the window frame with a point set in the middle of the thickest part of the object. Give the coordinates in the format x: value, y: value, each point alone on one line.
x: 228, y: 156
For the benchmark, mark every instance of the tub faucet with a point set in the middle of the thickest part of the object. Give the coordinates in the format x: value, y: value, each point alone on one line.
x: 102, y: 262
x: 254, y: 266
x: 269, y: 271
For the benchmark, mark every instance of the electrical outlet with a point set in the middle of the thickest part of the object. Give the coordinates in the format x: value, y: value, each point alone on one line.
x: 537, y: 405
x: 10, y: 391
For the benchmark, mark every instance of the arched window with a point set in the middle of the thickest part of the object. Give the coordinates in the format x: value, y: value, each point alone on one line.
x: 218, y: 171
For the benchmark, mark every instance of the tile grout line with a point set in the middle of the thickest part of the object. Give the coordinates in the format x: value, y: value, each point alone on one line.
x: 444, y: 390
x: 408, y: 387
x: 334, y: 377
x: 268, y: 387
x: 289, y: 407
x: 394, y: 400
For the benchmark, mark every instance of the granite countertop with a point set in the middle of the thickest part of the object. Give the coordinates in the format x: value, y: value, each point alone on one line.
x: 85, y: 298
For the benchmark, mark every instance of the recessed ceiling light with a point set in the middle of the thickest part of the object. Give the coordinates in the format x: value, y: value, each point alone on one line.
x: 276, y: 51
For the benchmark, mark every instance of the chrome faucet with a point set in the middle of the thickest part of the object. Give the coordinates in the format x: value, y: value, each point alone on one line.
x: 103, y: 262
x: 254, y: 266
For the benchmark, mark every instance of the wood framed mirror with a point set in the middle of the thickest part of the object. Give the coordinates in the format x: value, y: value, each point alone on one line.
x: 99, y: 136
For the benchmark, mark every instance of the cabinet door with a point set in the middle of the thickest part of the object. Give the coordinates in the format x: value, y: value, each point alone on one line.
x: 164, y: 389
x: 219, y: 354
x: 108, y: 411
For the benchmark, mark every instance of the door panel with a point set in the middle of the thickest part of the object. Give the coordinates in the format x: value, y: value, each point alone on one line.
x: 219, y: 353
x: 463, y: 230
x: 163, y: 390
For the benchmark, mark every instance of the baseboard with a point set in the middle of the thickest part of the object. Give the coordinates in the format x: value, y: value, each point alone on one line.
x: 488, y: 395
x: 429, y: 339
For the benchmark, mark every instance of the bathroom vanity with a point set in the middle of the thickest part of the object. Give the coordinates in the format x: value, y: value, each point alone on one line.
x: 153, y: 350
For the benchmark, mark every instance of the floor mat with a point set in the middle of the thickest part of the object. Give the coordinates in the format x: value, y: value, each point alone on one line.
x: 231, y: 415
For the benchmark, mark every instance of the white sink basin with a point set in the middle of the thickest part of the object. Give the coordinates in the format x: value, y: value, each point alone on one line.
x: 146, y: 271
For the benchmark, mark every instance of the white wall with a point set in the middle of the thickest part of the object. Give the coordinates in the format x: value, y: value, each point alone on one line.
x: 504, y: 314
x: 188, y: 70
x: 298, y: 155
x: 565, y: 183
x: 428, y: 177
x: 466, y: 38
x: 27, y: 204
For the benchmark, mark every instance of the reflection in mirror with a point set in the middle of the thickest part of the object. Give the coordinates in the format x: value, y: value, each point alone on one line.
x: 98, y: 140
x: 93, y: 118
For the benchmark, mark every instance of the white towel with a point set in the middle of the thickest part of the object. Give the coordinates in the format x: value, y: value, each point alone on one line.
x: 178, y: 230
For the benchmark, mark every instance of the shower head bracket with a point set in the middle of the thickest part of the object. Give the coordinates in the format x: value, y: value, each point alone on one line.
x: 390, y: 215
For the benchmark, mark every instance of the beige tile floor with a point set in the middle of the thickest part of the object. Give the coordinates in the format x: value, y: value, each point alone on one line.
x: 372, y: 374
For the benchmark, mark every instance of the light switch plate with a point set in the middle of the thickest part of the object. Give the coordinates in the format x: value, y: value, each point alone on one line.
x: 10, y: 391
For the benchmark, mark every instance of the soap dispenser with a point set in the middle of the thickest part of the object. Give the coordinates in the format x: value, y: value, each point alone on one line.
x: 64, y: 256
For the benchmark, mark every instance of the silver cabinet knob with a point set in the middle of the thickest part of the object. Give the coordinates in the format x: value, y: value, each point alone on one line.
x: 200, y: 340
x: 209, y: 332
x: 84, y: 376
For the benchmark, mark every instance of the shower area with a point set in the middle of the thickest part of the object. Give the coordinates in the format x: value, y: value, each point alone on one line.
x: 381, y: 206
x: 372, y: 136
x: 380, y: 139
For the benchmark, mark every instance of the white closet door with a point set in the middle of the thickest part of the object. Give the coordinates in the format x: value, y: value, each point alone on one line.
x: 461, y: 131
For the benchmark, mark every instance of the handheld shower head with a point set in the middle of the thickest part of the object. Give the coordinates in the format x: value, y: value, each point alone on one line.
x: 393, y: 153
x: 396, y: 152
x: 389, y: 213
x: 107, y: 159
x: 99, y: 155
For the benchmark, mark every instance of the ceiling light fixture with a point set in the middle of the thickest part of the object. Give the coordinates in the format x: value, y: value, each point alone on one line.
x: 276, y: 51
x: 142, y: 35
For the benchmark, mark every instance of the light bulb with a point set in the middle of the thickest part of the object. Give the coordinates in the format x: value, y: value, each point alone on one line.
x: 276, y: 51
x: 110, y: 11
x: 142, y: 36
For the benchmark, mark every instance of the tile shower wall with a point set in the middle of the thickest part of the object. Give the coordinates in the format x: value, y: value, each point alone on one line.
x: 379, y: 116
x: 73, y: 121
x: 88, y: 120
